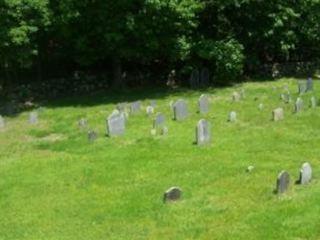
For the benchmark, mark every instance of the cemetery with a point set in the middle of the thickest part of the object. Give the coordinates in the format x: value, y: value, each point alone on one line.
x: 159, y: 119
x: 142, y: 166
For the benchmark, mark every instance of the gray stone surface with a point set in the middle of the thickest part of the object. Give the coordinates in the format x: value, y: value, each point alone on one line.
x: 203, y: 104
x: 194, y: 79
x: 153, y: 103
x: 278, y: 114
x: 2, y: 122
x: 116, y: 124
x: 33, y: 118
x: 286, y: 97
x: 313, y: 102
x: 305, y: 173
x: 172, y: 194
x: 180, y: 110
x: 159, y: 121
x: 232, y: 116
x: 135, y: 107
x: 203, y: 135
x: 236, y: 97
x: 121, y: 107
x: 283, y: 182
x: 309, y: 86
x: 298, y: 105
x: 92, y: 135
x: 302, y: 87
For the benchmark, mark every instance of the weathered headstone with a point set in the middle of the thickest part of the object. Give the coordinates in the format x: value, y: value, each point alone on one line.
x: 159, y: 121
x: 203, y: 135
x: 277, y: 114
x: 82, y: 123
x: 203, y: 104
x: 299, y: 105
x: 172, y: 194
x: 116, y: 124
x: 135, y: 107
x: 180, y: 110
x: 232, y: 116
x: 164, y: 130
x: 236, y: 97
x: 305, y: 173
x: 121, y: 107
x: 313, y: 102
x: 92, y: 136
x: 153, y: 103
x: 194, y: 78
x: 204, y: 77
x: 2, y: 122
x: 286, y: 97
x: 149, y: 110
x: 242, y: 93
x: 33, y: 118
x: 309, y: 86
x: 302, y: 87
x: 283, y: 182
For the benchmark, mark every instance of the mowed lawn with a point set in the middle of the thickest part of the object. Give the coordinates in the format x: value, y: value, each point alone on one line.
x: 54, y: 184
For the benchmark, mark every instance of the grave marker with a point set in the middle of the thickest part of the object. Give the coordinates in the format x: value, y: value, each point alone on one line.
x: 203, y: 132
x: 283, y: 182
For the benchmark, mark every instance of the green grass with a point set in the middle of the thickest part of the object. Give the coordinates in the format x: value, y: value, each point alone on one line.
x: 54, y: 184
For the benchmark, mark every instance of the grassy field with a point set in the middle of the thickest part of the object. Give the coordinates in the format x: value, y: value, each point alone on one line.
x: 54, y: 184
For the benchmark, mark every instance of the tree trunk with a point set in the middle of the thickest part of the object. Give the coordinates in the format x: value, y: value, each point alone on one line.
x: 117, y: 78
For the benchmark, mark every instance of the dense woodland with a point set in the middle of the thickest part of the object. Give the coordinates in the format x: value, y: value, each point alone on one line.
x: 137, y: 42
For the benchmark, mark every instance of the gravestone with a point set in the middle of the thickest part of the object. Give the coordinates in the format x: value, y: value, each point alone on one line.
x: 232, y: 116
x: 33, y: 118
x: 2, y: 122
x: 164, y: 130
x: 261, y: 106
x: 149, y: 110
x: 203, y: 132
x: 242, y: 93
x: 194, y: 78
x: 204, y: 77
x: 121, y: 107
x: 286, y: 97
x: 203, y: 104
x: 172, y: 194
x: 236, y: 97
x: 286, y: 88
x: 159, y: 121
x: 153, y: 103
x: 92, y: 136
x: 283, y: 182
x: 305, y: 173
x: 299, y: 105
x: 313, y: 102
x: 302, y: 87
x: 135, y: 107
x: 116, y: 124
x: 277, y: 114
x: 309, y: 86
x: 180, y: 110
x: 82, y: 123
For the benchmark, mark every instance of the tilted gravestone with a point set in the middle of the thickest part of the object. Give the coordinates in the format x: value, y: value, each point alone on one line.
x: 236, y: 97
x: 92, y: 136
x: 277, y: 114
x: 309, y: 86
x: 305, y: 173
x: 180, y: 110
x: 194, y: 78
x: 204, y: 77
x: 2, y: 122
x: 313, y: 102
x: 302, y: 87
x: 299, y: 105
x: 135, y: 107
x: 232, y: 116
x: 203, y: 104
x: 172, y: 194
x: 116, y: 124
x: 33, y: 118
x: 203, y: 135
x: 283, y: 182
x: 149, y: 110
